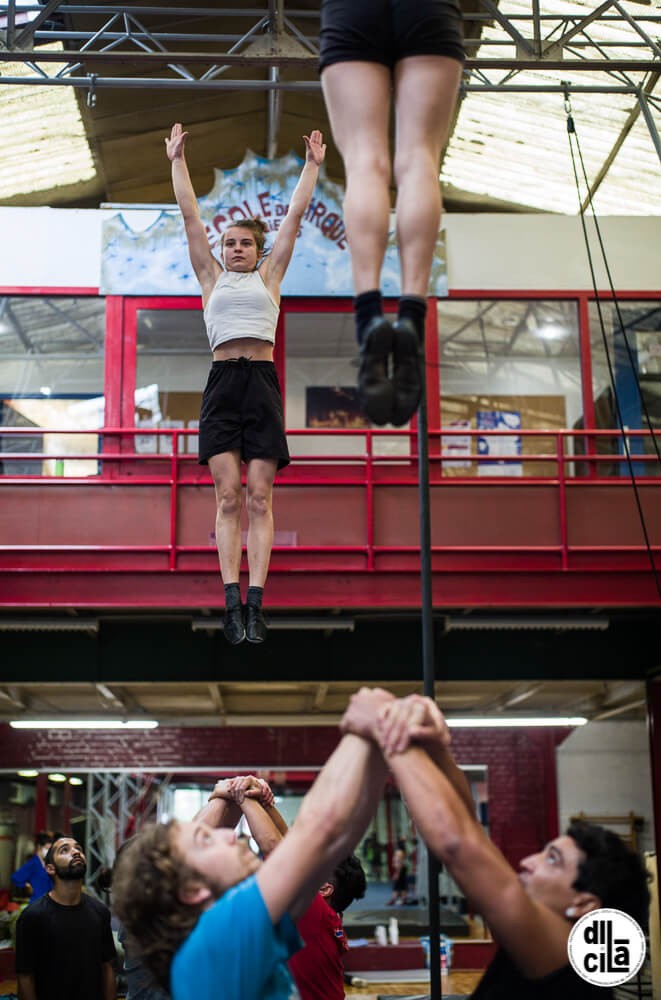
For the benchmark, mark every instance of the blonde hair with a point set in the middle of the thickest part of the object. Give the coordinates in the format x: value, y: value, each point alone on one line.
x: 256, y: 226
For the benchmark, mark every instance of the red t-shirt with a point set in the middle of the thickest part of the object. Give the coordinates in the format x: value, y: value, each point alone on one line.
x: 318, y: 969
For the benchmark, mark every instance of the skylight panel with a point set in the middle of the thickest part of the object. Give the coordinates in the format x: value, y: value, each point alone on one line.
x: 42, y: 138
x: 514, y: 146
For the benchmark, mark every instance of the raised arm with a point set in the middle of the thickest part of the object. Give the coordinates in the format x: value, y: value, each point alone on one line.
x: 333, y: 817
x: 534, y: 936
x: 206, y: 267
x: 255, y: 799
x: 276, y: 264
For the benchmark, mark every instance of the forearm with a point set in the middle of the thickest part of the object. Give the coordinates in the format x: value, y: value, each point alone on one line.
x: 219, y: 812
x: 446, y: 763
x: 277, y: 819
x: 183, y: 189
x: 25, y: 986
x: 303, y: 191
x: 439, y: 812
x: 262, y: 827
x: 344, y: 797
x: 109, y: 982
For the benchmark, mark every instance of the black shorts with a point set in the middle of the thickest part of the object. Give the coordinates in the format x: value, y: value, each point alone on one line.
x: 385, y: 31
x: 242, y: 411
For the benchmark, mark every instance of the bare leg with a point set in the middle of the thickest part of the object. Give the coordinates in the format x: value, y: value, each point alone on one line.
x: 425, y: 94
x: 357, y: 97
x: 261, y: 473
x: 226, y: 472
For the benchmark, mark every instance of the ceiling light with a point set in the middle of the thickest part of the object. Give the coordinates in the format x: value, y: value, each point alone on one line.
x: 28, y: 774
x: 302, y: 624
x: 75, y: 781
x: 83, y: 724
x: 58, y: 778
x: 529, y: 722
x: 49, y: 624
x: 504, y: 622
x: 552, y: 331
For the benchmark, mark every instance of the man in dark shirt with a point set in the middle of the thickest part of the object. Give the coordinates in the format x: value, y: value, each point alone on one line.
x: 531, y: 913
x: 64, y: 945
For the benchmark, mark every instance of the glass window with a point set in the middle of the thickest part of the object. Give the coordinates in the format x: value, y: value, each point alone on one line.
x: 634, y: 345
x: 51, y: 378
x: 321, y: 379
x: 173, y: 361
x: 507, y: 366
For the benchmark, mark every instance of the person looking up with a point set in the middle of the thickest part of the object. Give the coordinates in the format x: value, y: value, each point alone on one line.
x: 64, y: 944
x: 242, y: 418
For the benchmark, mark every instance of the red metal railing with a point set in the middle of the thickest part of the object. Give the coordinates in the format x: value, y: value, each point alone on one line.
x: 370, y: 470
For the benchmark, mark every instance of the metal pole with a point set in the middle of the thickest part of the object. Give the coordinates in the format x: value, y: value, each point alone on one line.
x: 428, y: 673
x: 647, y: 115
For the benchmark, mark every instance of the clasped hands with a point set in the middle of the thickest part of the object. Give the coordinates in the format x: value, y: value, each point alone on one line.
x: 246, y: 786
x: 396, y: 723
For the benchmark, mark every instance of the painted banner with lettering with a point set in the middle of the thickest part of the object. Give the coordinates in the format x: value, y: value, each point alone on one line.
x: 154, y: 260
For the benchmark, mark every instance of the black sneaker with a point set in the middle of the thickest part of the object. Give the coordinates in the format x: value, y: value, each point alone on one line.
x: 256, y: 627
x: 375, y: 390
x: 233, y: 627
x: 408, y: 356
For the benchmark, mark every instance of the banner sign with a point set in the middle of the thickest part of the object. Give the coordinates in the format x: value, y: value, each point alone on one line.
x: 499, y: 444
x: 155, y: 261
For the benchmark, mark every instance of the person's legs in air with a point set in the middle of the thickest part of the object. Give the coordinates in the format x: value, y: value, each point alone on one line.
x: 226, y: 472
x: 357, y: 97
x: 259, y: 504
x: 425, y: 94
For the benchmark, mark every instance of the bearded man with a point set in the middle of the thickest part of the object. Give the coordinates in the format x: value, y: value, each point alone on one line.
x: 64, y: 944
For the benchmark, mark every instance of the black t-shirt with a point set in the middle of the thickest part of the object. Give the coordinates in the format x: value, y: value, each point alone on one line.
x: 503, y: 981
x: 63, y: 947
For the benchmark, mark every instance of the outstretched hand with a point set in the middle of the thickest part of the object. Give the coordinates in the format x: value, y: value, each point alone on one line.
x: 412, y: 720
x: 315, y: 147
x: 174, y: 146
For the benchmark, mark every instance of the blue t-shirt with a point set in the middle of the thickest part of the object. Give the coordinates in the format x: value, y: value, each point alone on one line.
x: 33, y: 872
x: 235, y: 952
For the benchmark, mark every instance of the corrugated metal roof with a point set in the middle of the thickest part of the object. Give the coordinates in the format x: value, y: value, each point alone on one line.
x: 42, y: 135
x: 514, y: 146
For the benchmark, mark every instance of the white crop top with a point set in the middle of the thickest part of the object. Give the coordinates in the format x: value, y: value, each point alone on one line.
x: 240, y: 305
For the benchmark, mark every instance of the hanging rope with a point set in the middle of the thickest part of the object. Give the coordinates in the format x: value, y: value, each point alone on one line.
x: 574, y: 141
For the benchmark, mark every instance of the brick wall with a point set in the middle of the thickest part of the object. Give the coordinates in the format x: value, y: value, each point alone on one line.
x: 520, y: 762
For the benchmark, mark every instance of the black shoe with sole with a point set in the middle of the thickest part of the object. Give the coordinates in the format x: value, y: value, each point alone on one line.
x: 256, y: 627
x: 375, y: 390
x: 408, y: 356
x: 233, y: 627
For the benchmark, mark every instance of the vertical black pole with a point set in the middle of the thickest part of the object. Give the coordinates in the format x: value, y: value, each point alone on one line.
x: 435, y: 987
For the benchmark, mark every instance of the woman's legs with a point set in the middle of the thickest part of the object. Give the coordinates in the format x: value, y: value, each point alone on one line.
x: 226, y: 472
x: 425, y: 94
x: 259, y: 503
x: 358, y: 101
x: 357, y: 97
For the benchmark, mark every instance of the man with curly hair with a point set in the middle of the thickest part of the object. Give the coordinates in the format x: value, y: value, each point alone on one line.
x: 209, y: 919
x: 318, y: 968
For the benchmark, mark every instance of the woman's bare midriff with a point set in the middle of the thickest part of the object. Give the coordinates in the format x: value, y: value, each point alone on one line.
x: 244, y: 347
